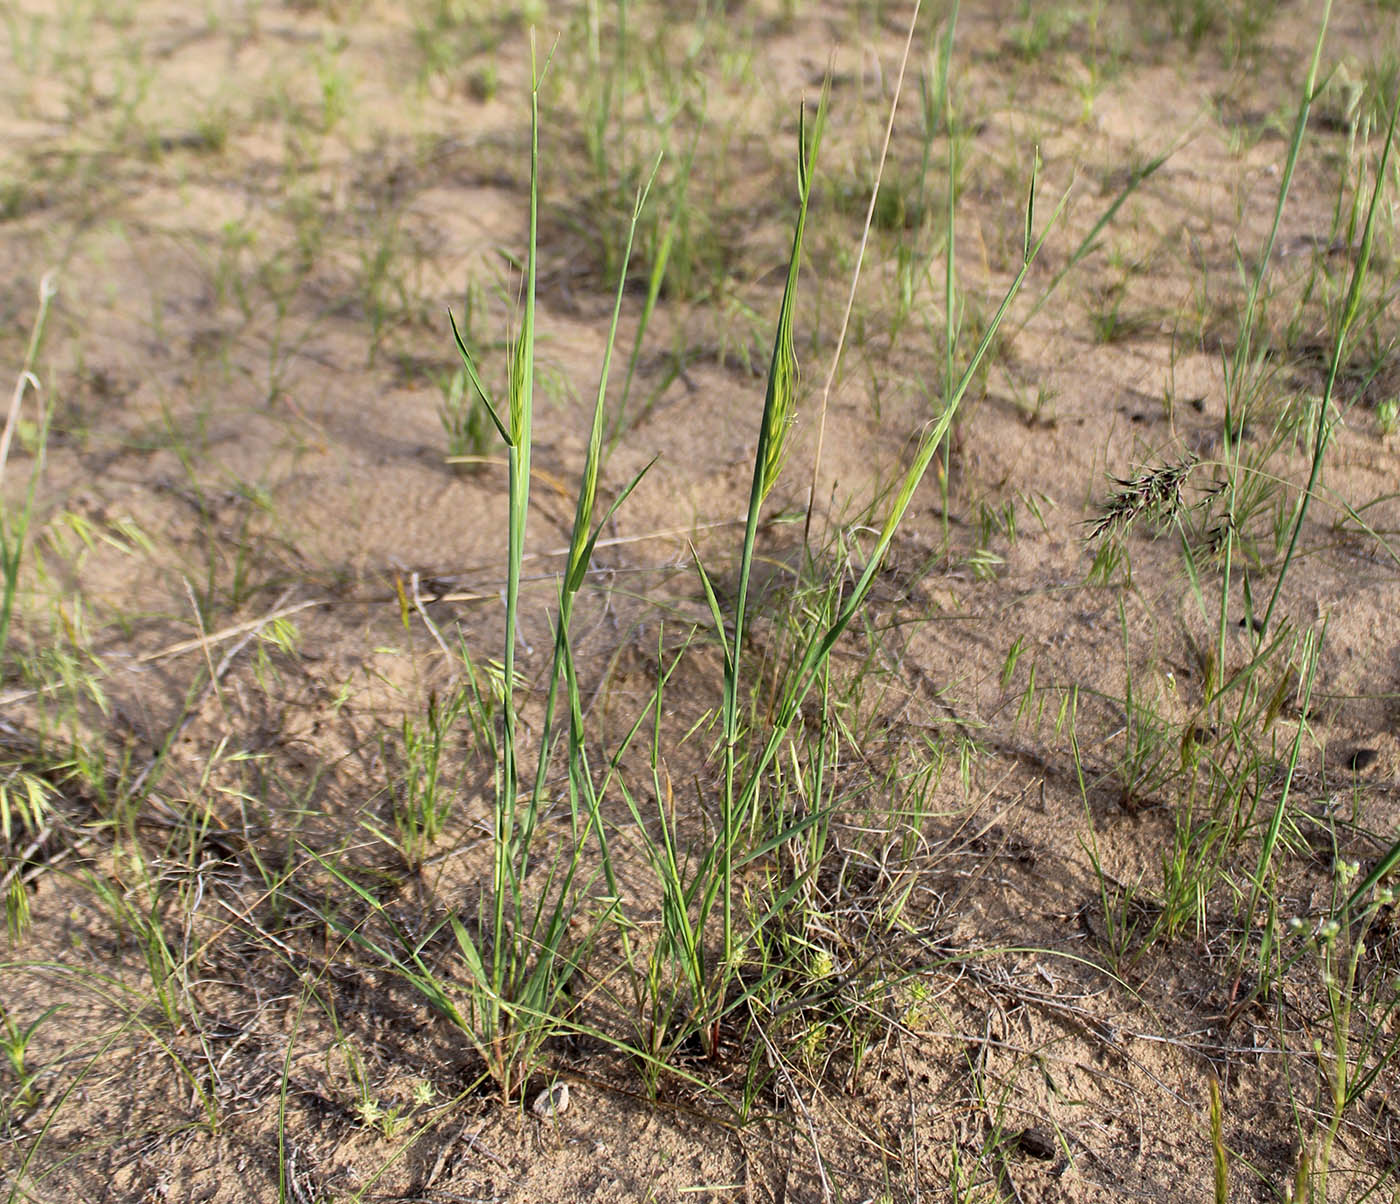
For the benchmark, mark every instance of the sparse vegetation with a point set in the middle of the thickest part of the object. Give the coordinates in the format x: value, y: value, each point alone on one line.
x: 922, y: 728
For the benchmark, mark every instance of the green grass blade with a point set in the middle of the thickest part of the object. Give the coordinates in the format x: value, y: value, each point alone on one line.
x: 1312, y: 648
x: 1349, y: 311
x: 470, y: 366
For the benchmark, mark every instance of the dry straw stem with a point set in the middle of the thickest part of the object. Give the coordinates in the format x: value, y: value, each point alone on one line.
x: 860, y: 259
x: 13, y: 534
x: 26, y: 379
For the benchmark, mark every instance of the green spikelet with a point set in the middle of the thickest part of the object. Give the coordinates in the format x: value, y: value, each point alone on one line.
x: 779, y: 404
x: 782, y: 385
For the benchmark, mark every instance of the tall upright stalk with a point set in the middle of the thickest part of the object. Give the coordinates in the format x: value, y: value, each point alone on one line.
x: 713, y: 884
x: 509, y: 868
x: 778, y: 404
x: 584, y: 535
x: 519, y: 971
x: 1244, y: 359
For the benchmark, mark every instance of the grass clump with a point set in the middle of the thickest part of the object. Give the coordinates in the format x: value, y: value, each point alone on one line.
x: 718, y: 964
x: 517, y: 961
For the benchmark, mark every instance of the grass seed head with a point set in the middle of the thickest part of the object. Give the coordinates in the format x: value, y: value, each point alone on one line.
x: 780, y: 415
x: 1154, y: 495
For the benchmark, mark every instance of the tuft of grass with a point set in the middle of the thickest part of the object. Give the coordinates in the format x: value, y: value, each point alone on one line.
x: 737, y: 911
x: 15, y: 1041
x: 423, y: 799
x: 1205, y: 763
x: 515, y: 966
x: 1322, y: 422
x: 1361, y: 1004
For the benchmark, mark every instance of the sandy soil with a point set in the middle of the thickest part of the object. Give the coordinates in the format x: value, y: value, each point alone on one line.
x: 258, y: 215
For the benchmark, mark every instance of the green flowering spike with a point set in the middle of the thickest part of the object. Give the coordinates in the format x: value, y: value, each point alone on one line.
x: 518, y: 400
x: 782, y: 384
x: 781, y: 400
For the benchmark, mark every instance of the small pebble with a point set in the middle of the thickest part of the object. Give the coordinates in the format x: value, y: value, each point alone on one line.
x: 552, y: 1101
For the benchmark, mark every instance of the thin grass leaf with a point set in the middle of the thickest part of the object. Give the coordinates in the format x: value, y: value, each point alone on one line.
x: 583, y: 537
x: 788, y: 834
x: 586, y: 559
x: 1312, y: 648
x: 820, y: 646
x: 654, y: 283
x: 588, y: 486
x: 1219, y: 1157
x: 470, y: 954
x: 715, y: 614
x: 1090, y: 242
x: 481, y: 393
x: 1324, y: 426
